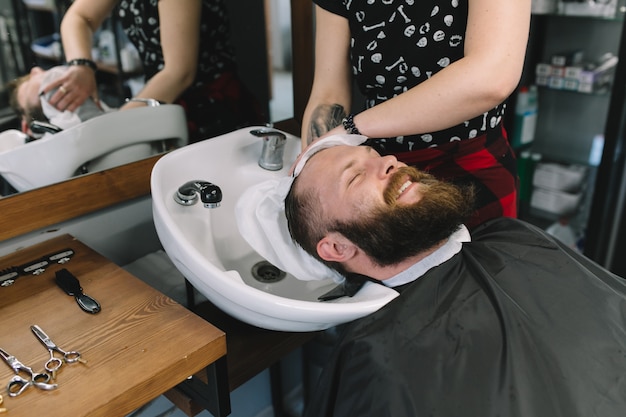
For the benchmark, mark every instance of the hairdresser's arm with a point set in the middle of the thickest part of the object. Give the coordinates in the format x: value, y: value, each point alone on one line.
x: 79, y: 23
x: 495, y: 46
x: 330, y: 97
x: 180, y: 40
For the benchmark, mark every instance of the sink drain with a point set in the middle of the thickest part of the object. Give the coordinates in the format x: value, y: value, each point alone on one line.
x: 267, y: 273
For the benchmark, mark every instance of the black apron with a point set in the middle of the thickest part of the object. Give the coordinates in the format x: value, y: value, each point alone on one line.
x: 515, y: 325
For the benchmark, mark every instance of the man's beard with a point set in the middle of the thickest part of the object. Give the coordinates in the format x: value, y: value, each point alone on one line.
x: 393, y: 232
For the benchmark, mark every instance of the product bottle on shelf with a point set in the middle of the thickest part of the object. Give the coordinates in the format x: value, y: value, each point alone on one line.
x: 525, y: 117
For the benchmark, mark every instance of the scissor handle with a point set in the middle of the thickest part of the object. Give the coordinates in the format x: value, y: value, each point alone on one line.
x: 40, y: 378
x: 17, y: 385
x: 71, y: 357
x: 53, y: 364
x: 43, y: 385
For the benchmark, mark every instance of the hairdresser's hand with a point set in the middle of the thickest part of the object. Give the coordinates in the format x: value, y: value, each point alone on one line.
x: 78, y: 84
x: 339, y: 130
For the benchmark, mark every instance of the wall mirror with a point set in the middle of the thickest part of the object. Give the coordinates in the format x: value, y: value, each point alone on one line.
x: 39, y: 208
x: 263, y: 49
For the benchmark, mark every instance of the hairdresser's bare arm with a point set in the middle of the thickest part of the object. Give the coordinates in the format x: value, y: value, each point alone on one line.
x: 331, y: 93
x: 79, y: 23
x: 485, y: 77
x: 180, y: 40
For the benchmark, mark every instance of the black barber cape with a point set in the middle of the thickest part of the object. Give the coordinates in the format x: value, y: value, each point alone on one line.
x: 513, y: 325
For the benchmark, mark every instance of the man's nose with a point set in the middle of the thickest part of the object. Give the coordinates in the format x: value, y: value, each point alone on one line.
x: 386, y: 165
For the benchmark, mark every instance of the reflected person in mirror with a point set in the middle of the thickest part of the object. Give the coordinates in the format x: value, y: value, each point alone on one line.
x: 30, y: 103
x: 186, y: 54
x: 434, y: 76
x: 506, y: 321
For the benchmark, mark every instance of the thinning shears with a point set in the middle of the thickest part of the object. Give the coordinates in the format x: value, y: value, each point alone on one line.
x: 53, y: 364
x: 20, y: 382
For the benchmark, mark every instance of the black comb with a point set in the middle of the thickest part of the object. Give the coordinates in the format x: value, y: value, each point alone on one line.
x: 70, y: 284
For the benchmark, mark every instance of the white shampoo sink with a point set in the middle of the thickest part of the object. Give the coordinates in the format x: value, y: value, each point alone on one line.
x: 105, y: 141
x: 206, y: 246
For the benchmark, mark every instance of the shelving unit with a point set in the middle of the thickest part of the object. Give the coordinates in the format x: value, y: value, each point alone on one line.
x: 568, y: 122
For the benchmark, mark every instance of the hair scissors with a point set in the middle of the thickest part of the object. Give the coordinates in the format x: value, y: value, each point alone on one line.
x: 53, y: 364
x: 19, y: 383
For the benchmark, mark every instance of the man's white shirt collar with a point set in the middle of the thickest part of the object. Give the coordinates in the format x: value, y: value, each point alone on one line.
x: 452, y: 246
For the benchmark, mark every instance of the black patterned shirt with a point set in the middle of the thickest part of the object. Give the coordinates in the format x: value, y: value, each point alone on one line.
x: 397, y: 44
x: 140, y: 20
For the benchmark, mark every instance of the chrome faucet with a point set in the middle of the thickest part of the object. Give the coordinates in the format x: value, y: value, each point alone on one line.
x: 150, y: 102
x: 273, y: 148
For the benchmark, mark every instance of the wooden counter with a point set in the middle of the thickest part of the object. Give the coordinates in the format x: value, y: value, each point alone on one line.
x: 139, y: 346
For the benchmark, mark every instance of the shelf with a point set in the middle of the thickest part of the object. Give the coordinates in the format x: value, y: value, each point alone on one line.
x: 577, y: 11
x: 605, y: 92
x: 569, y: 121
x: 41, y: 5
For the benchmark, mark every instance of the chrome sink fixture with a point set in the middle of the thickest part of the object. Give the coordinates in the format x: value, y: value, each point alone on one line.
x: 109, y: 140
x: 272, y: 154
x: 206, y: 246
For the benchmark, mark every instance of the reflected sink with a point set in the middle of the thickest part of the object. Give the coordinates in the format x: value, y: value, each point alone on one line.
x: 206, y: 246
x: 105, y: 141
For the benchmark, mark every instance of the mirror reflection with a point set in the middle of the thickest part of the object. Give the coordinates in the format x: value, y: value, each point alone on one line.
x: 29, y: 37
x: 278, y: 22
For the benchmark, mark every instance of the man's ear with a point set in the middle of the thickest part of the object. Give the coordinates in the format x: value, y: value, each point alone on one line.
x: 335, y: 247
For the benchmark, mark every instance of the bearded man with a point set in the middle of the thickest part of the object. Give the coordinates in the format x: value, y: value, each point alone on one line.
x: 505, y: 322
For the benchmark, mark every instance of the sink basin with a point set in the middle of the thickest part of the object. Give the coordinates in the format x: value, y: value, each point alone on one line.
x: 109, y: 140
x: 206, y: 246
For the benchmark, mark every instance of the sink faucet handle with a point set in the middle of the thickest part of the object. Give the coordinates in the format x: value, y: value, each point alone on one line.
x: 273, y: 148
x: 150, y: 102
x: 268, y: 132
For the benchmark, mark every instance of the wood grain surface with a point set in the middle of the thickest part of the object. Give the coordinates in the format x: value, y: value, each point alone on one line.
x: 140, y: 345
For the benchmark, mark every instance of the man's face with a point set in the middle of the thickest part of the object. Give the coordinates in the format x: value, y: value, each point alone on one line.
x: 389, y: 210
x: 28, y: 91
x: 357, y: 179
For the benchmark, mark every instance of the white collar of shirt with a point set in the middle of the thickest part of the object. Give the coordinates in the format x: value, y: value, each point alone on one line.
x: 452, y: 246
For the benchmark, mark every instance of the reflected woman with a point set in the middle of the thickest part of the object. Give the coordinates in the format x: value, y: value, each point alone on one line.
x: 187, y: 59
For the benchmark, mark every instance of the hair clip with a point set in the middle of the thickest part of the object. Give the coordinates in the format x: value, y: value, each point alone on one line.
x: 61, y: 257
x: 8, y: 276
x: 36, y: 267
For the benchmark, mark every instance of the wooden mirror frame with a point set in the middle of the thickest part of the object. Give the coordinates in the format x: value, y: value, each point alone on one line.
x: 36, y: 209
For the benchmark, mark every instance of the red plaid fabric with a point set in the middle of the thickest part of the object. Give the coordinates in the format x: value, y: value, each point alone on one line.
x: 487, y: 162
